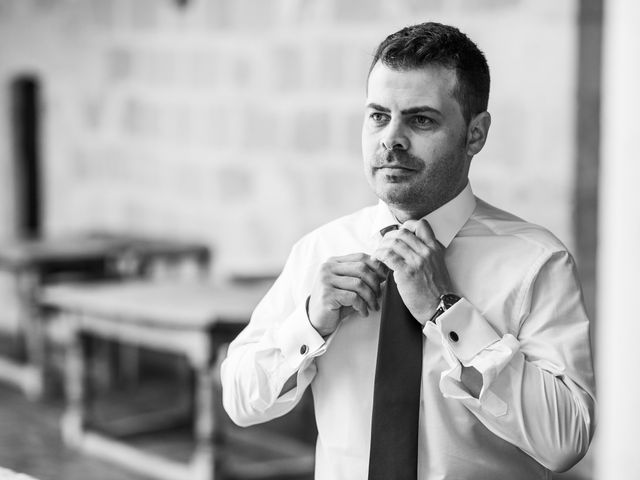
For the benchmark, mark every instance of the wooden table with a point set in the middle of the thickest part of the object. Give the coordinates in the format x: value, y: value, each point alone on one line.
x: 195, y: 320
x: 34, y: 263
x: 137, y: 255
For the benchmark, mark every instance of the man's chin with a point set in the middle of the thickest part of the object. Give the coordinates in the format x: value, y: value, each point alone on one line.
x: 396, y: 194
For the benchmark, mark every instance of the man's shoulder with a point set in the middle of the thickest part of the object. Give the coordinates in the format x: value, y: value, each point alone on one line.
x: 357, y: 222
x: 488, y: 220
x: 354, y: 224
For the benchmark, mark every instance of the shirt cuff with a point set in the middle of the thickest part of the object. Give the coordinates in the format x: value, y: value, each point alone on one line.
x: 298, y: 340
x: 469, y: 340
x: 465, y: 331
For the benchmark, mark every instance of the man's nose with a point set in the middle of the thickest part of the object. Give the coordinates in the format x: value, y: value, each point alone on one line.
x: 394, y: 137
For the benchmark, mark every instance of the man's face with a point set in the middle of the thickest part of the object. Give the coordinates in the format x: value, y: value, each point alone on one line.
x: 414, y: 139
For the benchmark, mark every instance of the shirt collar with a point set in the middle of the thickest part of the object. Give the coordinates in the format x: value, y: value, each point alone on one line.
x: 445, y: 221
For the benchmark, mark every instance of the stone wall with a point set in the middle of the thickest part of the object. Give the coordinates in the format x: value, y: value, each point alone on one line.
x: 238, y: 121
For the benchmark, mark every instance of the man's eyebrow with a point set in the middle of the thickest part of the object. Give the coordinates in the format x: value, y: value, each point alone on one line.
x: 408, y: 111
x: 380, y: 108
x: 421, y: 109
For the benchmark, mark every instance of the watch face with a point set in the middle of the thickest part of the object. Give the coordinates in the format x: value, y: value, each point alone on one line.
x: 449, y: 300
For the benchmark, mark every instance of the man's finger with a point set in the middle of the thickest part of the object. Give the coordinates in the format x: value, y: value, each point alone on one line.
x: 390, y: 258
x: 360, y: 271
x: 407, y: 254
x: 373, y: 263
x: 413, y: 241
x: 351, y: 299
x: 359, y: 287
x: 377, y: 266
x: 422, y: 230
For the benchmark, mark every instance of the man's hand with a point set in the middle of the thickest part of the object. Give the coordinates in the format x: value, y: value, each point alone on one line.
x: 343, y: 285
x: 417, y: 260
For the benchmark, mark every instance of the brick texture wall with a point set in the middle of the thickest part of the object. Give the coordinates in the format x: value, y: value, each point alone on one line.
x: 237, y: 122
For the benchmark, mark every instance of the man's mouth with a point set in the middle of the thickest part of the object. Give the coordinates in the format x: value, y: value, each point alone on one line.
x: 394, y: 169
x: 396, y: 162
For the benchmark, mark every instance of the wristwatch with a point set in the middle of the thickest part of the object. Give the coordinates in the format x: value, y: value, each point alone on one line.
x: 447, y: 301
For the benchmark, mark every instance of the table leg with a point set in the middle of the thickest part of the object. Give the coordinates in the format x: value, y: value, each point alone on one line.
x: 203, y: 261
x: 205, y: 459
x: 32, y: 381
x: 73, y: 419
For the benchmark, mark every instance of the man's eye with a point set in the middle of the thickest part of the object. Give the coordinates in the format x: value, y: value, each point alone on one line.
x: 378, y: 117
x: 422, y: 121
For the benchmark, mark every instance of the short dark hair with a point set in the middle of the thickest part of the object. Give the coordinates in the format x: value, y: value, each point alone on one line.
x: 433, y: 43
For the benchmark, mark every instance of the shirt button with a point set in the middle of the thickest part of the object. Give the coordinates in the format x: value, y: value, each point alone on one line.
x: 303, y: 349
x: 453, y: 336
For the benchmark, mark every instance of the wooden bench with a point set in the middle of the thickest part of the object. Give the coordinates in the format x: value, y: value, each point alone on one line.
x: 194, y: 320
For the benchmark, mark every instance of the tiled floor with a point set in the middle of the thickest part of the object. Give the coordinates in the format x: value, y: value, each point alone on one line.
x: 30, y: 441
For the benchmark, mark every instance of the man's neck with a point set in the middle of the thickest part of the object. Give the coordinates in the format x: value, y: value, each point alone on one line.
x: 402, y: 215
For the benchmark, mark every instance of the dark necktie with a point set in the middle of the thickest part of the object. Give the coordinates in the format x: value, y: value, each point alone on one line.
x: 396, y: 395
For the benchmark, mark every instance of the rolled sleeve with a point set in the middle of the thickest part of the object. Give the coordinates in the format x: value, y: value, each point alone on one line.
x: 469, y: 339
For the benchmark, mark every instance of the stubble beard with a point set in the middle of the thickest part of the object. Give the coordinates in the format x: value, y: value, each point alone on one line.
x: 415, y: 199
x: 440, y: 183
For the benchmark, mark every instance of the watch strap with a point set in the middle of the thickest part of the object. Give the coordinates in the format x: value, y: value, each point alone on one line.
x: 447, y: 301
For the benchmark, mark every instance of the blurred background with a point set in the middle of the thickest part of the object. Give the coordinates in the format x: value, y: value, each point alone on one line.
x: 237, y: 122
x: 234, y: 126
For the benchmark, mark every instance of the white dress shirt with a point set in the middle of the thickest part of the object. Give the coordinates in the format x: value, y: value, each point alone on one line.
x: 521, y: 323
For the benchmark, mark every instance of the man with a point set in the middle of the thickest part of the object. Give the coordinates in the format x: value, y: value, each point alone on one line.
x: 507, y: 387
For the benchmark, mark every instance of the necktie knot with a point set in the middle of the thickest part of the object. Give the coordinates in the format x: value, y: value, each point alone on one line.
x: 385, y: 230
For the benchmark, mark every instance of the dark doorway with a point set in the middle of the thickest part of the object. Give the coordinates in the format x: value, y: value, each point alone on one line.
x: 589, y: 67
x: 25, y: 119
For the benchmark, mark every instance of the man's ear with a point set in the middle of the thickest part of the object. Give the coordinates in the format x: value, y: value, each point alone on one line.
x: 477, y: 132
